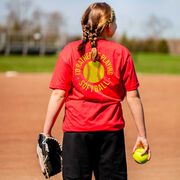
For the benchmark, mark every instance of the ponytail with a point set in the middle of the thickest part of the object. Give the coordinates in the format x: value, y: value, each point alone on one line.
x: 93, y: 39
x: 81, y: 47
x: 95, y: 19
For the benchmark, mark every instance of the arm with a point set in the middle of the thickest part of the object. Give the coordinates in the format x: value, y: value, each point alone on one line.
x: 56, y: 102
x: 136, y: 108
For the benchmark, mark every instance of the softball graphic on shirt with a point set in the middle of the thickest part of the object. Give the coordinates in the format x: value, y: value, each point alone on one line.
x: 93, y: 76
x: 93, y: 71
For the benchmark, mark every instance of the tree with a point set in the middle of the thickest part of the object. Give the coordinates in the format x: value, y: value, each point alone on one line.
x: 17, y: 15
x: 37, y: 19
x: 124, y: 39
x: 52, y: 26
x: 156, y: 26
x: 163, y: 46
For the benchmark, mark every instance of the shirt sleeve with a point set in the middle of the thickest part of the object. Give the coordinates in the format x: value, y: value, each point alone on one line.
x: 62, y: 75
x: 130, y: 80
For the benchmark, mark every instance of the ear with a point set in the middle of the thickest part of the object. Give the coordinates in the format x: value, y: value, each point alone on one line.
x: 109, y: 29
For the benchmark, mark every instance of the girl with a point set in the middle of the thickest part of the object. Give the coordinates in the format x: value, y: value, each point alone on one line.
x: 93, y: 76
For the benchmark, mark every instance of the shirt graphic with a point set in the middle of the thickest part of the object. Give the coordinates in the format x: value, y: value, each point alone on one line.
x: 93, y: 76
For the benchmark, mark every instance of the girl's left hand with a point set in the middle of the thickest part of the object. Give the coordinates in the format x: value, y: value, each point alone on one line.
x: 142, y: 142
x: 47, y: 134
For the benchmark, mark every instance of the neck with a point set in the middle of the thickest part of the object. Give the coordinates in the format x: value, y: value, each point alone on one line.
x: 102, y: 37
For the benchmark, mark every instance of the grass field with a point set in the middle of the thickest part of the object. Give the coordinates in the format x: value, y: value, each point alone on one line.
x: 157, y: 63
x: 144, y: 62
x: 27, y: 63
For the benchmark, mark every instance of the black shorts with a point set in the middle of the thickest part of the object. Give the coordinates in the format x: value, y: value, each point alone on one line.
x: 100, y: 152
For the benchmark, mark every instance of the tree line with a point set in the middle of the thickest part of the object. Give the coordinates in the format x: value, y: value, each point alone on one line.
x: 25, y: 24
x: 149, y: 44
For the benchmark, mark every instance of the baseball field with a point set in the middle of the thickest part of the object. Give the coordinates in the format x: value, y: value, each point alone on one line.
x: 23, y: 103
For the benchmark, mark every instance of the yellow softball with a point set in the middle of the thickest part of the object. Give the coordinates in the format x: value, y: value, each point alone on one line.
x: 93, y: 71
x: 138, y: 157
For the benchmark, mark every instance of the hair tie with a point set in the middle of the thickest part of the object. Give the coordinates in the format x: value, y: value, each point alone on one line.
x: 94, y: 54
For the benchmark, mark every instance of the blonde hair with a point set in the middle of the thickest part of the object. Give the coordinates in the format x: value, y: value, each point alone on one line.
x: 96, y: 17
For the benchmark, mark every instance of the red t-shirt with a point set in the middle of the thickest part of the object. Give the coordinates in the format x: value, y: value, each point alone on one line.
x: 94, y: 90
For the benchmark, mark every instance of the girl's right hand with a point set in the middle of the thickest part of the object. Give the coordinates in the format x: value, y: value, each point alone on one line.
x: 142, y: 142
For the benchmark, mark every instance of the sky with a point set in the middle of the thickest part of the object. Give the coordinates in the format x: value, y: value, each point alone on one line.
x: 131, y: 15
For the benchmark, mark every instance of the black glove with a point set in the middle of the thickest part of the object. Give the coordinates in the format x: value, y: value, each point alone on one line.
x: 49, y: 153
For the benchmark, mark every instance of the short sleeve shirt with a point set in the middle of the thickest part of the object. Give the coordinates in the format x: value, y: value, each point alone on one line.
x: 94, y: 90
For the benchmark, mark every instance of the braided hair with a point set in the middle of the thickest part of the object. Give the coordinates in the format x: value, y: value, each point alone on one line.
x: 95, y: 19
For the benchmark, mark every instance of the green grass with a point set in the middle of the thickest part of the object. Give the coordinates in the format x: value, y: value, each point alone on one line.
x: 27, y: 63
x: 157, y: 63
x: 144, y: 63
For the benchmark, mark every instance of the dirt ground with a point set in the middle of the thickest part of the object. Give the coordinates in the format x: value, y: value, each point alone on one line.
x: 23, y: 103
